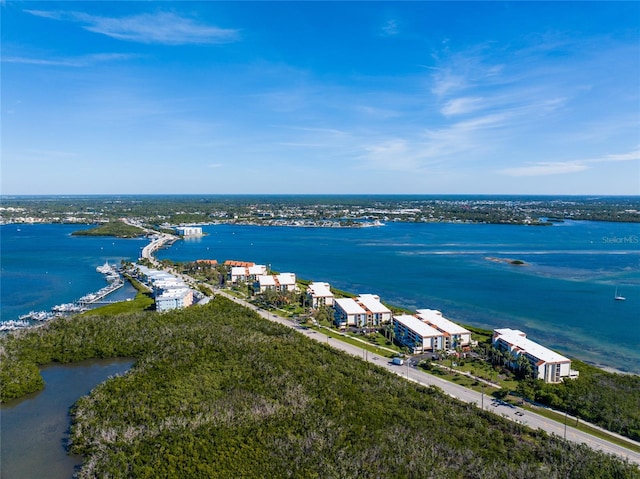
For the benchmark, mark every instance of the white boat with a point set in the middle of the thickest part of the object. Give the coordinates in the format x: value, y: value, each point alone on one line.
x: 618, y: 297
x: 105, y: 268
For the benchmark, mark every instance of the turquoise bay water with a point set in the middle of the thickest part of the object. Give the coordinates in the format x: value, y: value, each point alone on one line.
x: 43, y: 265
x: 563, y: 298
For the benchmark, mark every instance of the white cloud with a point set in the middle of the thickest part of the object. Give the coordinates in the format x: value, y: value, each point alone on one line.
x: 631, y: 156
x: 390, y: 28
x: 446, y: 82
x: 564, y: 167
x: 162, y: 27
x: 546, y: 168
x: 463, y: 105
x: 81, y: 61
x: 394, y: 154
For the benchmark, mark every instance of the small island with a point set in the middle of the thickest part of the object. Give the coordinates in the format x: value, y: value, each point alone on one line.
x: 515, y: 262
x: 118, y: 229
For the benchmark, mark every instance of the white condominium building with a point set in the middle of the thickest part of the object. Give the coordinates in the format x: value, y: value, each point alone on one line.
x: 364, y: 311
x: 277, y: 282
x: 348, y: 313
x: 247, y: 273
x: 548, y: 365
x: 416, y: 335
x: 455, y: 335
x: 320, y: 295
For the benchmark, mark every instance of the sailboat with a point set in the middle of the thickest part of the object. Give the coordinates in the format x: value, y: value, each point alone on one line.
x: 617, y: 297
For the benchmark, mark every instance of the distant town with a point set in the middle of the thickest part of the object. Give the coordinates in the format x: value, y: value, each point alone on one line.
x: 316, y: 211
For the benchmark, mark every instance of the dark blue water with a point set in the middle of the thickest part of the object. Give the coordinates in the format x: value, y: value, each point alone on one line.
x: 43, y: 265
x: 562, y: 298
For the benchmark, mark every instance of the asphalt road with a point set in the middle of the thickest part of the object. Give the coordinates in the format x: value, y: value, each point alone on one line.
x: 456, y: 391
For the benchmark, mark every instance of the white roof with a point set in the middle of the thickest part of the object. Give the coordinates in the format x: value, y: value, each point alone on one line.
x: 267, y: 280
x: 349, y: 306
x: 173, y: 294
x: 160, y: 275
x: 282, y: 279
x: 238, y: 271
x: 255, y: 270
x: 435, y: 318
x: 518, y: 339
x: 258, y: 269
x: 320, y: 290
x: 417, y: 326
x: 286, y: 278
x: 372, y: 303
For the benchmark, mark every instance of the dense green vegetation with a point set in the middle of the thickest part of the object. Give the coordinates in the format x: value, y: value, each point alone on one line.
x: 218, y: 392
x: 118, y: 229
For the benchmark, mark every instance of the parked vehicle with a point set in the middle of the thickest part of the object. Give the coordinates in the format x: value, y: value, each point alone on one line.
x: 397, y: 361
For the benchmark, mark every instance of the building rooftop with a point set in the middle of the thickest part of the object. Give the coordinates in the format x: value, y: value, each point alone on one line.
x: 435, y: 318
x: 277, y: 279
x: 265, y: 280
x: 207, y: 261
x: 173, y: 294
x: 286, y: 278
x: 418, y: 326
x: 372, y: 303
x: 257, y: 269
x: 319, y: 290
x: 244, y: 264
x: 519, y: 340
x: 349, y: 306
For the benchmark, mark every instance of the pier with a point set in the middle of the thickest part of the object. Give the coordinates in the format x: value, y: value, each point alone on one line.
x: 92, y: 298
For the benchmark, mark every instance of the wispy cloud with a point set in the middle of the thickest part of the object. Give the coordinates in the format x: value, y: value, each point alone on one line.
x: 546, y: 168
x: 462, y: 105
x: 395, y: 154
x: 390, y: 28
x: 81, y: 61
x: 564, y: 167
x: 163, y: 27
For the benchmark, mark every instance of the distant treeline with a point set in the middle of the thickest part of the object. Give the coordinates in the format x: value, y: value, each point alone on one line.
x: 263, y: 208
x: 118, y: 229
x: 217, y: 391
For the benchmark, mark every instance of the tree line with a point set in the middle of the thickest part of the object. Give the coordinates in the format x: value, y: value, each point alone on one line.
x: 217, y: 391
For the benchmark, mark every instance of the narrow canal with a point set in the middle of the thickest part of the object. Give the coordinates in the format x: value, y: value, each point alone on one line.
x: 34, y: 429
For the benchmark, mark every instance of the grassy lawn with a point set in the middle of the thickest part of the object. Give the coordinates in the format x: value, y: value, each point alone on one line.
x: 582, y: 427
x: 142, y: 302
x: 460, y: 379
x: 236, y: 293
x: 482, y: 370
x: 348, y: 339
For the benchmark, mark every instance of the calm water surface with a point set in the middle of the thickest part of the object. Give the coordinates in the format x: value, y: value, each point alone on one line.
x: 43, y: 265
x: 562, y: 298
x: 33, y: 432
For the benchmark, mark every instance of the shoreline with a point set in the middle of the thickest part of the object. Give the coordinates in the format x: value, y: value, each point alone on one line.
x: 163, y: 240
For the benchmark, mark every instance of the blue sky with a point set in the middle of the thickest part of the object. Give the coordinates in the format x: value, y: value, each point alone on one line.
x: 320, y: 97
